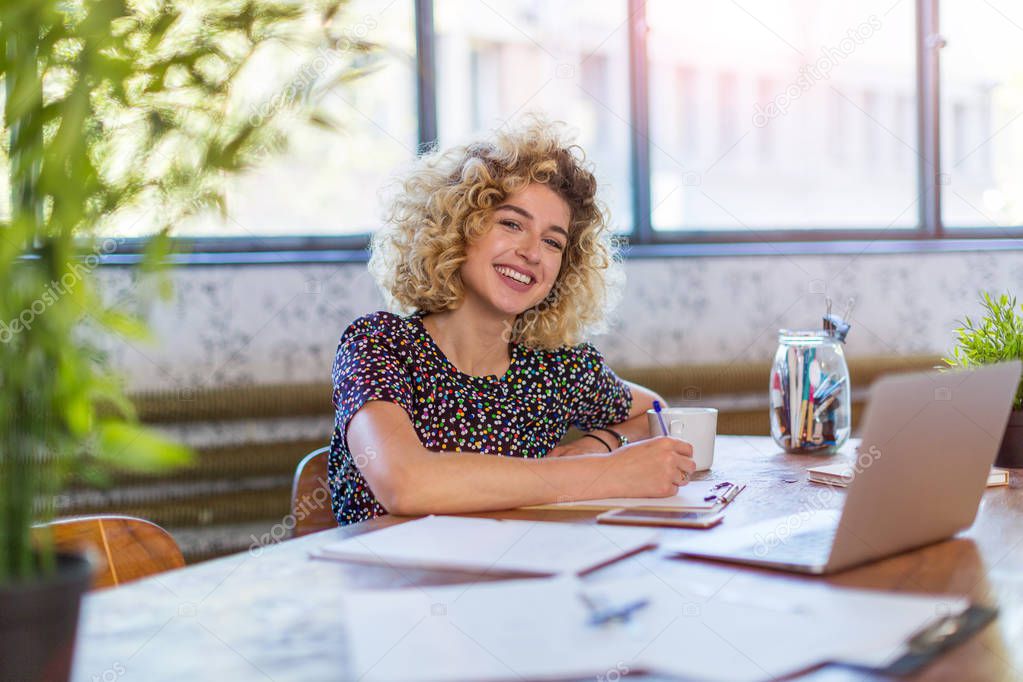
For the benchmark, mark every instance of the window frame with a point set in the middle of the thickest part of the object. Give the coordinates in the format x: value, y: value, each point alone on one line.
x: 643, y: 241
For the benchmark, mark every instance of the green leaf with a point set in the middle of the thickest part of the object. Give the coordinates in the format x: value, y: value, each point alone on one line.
x: 131, y: 447
x: 323, y: 120
x: 78, y: 414
x: 109, y: 399
x: 125, y: 324
x: 995, y: 337
x: 158, y: 248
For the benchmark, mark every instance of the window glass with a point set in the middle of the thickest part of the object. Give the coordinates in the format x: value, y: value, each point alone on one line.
x: 981, y: 112
x: 782, y: 114
x: 567, y: 60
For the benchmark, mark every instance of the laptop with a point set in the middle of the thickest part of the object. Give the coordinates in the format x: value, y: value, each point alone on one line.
x: 929, y: 441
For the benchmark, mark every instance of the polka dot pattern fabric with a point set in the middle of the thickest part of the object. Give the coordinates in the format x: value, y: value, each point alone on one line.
x: 523, y: 413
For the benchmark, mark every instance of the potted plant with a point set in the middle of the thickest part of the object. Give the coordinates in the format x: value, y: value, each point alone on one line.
x: 997, y: 336
x: 111, y: 110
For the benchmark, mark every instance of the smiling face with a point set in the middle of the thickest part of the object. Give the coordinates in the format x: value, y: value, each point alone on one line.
x: 514, y: 265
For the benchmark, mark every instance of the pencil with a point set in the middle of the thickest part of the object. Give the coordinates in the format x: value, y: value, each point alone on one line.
x: 793, y: 367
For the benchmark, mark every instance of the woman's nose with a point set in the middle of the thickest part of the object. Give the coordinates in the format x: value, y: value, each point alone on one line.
x: 529, y: 248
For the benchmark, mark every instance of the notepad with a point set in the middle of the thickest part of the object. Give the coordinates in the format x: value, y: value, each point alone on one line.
x: 841, y: 475
x: 493, y: 545
x: 696, y: 496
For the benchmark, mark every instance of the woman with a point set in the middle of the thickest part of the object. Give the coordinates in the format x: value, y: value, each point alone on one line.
x: 503, y: 253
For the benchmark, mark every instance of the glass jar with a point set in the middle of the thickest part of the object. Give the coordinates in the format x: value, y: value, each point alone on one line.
x: 809, y: 390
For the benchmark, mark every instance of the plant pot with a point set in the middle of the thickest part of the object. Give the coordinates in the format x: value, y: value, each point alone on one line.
x: 38, y: 622
x: 1010, y: 455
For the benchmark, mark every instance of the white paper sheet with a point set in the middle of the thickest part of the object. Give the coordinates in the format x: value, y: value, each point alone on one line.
x: 751, y: 629
x: 690, y: 497
x: 479, y: 544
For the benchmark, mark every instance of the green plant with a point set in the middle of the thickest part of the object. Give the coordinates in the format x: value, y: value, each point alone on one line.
x: 115, y: 109
x: 997, y: 336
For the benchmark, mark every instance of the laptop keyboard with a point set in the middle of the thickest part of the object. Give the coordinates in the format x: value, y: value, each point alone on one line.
x: 811, y: 547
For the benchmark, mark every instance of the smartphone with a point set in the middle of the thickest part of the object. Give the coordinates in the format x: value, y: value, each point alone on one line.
x: 661, y: 517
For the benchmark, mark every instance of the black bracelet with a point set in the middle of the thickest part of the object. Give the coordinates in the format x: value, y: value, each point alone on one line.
x: 602, y: 441
x: 622, y: 440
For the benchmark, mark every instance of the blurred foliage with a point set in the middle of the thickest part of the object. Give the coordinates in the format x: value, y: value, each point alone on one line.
x: 995, y: 337
x: 115, y: 109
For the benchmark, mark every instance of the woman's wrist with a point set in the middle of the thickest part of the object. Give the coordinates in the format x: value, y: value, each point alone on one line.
x: 621, y: 439
x: 598, y: 438
x: 586, y: 477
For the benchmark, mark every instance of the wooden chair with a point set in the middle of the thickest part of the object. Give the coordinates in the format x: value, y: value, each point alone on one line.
x: 126, y: 548
x: 310, y: 495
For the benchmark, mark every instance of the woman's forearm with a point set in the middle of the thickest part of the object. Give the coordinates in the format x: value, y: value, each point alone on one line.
x: 634, y: 428
x: 451, y: 483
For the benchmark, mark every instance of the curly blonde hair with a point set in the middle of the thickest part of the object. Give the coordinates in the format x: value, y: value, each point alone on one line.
x: 445, y: 202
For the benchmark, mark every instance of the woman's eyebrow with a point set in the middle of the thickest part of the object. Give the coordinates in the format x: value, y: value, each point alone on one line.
x: 529, y: 216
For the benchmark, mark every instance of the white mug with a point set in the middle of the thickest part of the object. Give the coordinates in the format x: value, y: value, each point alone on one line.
x: 695, y: 425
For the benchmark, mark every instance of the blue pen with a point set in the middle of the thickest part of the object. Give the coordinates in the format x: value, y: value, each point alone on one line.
x: 621, y: 613
x: 660, y: 418
x: 601, y: 614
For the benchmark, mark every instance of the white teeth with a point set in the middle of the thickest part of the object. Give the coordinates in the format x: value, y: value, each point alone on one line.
x: 514, y: 274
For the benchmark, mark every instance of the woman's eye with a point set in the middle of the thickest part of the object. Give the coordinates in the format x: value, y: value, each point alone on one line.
x: 555, y: 243
x: 510, y: 223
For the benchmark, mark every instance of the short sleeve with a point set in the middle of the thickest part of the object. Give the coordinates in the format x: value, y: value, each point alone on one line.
x: 598, y: 396
x: 368, y: 367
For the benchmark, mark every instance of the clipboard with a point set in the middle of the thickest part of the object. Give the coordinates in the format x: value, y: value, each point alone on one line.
x: 930, y: 643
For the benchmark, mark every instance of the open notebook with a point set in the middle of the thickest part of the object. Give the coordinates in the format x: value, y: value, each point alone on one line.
x: 696, y: 496
x: 481, y: 544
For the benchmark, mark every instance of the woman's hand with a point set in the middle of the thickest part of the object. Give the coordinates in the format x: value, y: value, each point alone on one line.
x: 580, y: 446
x: 655, y: 467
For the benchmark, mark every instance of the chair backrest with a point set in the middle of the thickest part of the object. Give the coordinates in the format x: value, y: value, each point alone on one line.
x: 310, y: 495
x: 125, y: 548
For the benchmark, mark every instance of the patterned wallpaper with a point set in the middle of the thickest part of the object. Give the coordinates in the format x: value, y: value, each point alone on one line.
x: 265, y: 324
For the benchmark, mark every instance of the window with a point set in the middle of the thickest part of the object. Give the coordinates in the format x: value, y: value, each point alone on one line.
x: 981, y: 112
x: 795, y: 94
x: 327, y: 182
x: 905, y: 129
x: 686, y: 119
x: 765, y: 141
x: 569, y: 60
x: 871, y: 131
x: 782, y: 120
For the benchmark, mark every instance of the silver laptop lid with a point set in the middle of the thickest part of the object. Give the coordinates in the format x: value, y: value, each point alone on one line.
x: 928, y: 444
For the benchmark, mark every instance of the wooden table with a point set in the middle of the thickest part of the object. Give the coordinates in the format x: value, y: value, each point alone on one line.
x: 272, y: 613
